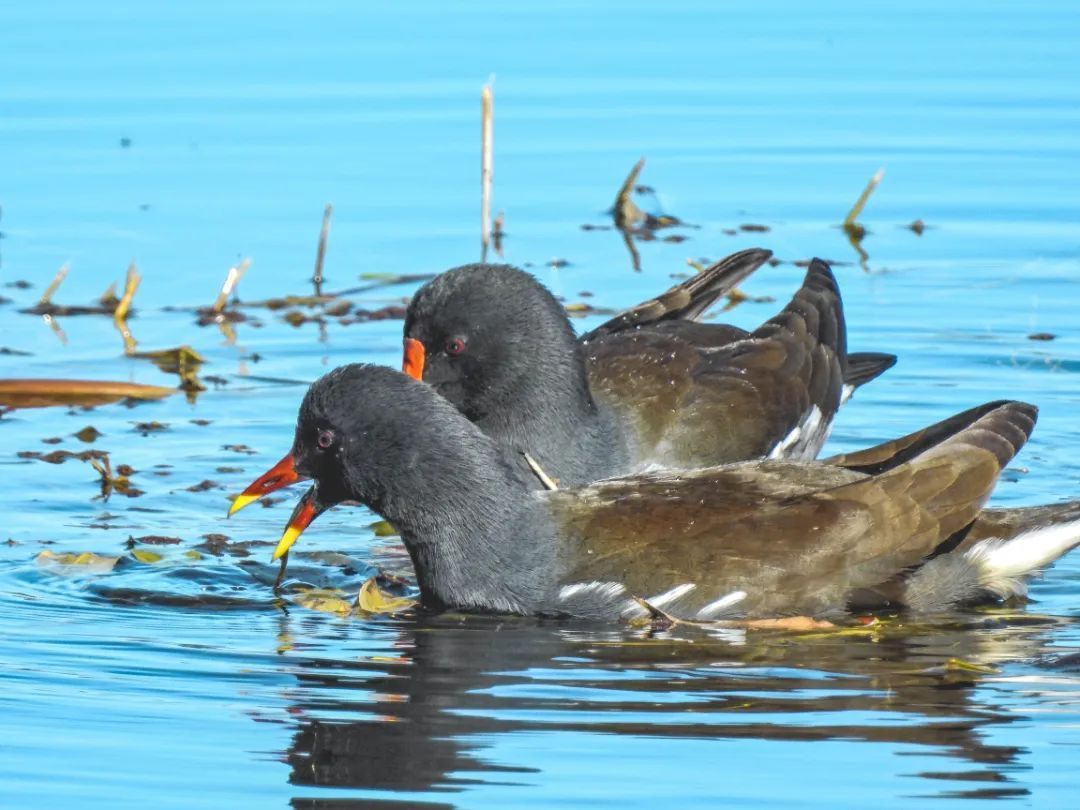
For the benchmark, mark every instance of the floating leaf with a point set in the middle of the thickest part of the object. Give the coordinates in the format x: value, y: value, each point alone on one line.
x: 146, y: 428
x: 183, y: 361
x: 960, y: 665
x: 203, y: 486
x: 153, y: 540
x: 383, y: 528
x: 16, y: 393
x: 331, y: 558
x: 325, y: 600
x: 192, y: 554
x: 85, y: 561
x: 173, y: 361
x: 239, y: 448
x: 88, y: 434
x: 60, y: 456
x: 145, y: 556
x: 372, y: 600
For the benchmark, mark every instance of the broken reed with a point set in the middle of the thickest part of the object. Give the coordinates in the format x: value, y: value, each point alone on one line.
x: 485, y: 169
x: 320, y: 254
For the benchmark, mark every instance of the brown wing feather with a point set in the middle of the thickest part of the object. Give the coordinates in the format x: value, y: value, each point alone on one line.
x: 890, y: 454
x: 687, y: 407
x: 797, y: 538
x: 689, y: 299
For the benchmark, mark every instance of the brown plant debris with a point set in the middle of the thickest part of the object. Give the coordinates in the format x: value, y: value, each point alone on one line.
x: 34, y: 393
x: 182, y: 361
x: 203, y: 486
x: 113, y: 482
x: 851, y: 226
x: 151, y: 540
x: 88, y: 434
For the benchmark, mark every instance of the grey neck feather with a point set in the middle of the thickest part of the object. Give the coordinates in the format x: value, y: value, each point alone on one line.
x: 481, y: 540
x: 555, y: 419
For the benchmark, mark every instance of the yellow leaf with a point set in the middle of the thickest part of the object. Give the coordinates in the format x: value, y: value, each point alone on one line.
x: 86, y: 561
x: 326, y: 600
x: 144, y: 556
x: 960, y: 665
x: 383, y: 528
x: 192, y: 554
x: 372, y: 600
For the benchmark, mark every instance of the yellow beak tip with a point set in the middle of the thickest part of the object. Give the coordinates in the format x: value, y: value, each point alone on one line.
x: 239, y: 503
x: 285, y: 543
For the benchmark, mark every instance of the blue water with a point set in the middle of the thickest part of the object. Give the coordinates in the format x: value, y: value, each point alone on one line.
x: 185, y: 683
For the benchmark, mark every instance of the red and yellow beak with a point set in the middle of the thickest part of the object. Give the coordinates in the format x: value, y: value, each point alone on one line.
x: 413, y: 362
x: 306, y: 511
x: 280, y: 475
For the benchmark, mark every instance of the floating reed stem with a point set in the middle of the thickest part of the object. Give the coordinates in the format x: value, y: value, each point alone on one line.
x: 232, y: 278
x: 123, y: 306
x: 486, y: 103
x: 58, y: 279
x: 627, y: 214
x: 851, y: 220
x: 320, y: 254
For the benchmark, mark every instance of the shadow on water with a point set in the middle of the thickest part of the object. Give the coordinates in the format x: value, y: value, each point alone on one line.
x: 422, y: 720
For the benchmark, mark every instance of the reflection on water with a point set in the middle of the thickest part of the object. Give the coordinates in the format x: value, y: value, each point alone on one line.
x: 421, y: 719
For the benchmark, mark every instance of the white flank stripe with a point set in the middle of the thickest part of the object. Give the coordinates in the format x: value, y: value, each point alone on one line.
x: 721, y: 604
x: 805, y: 439
x: 1003, y: 564
x: 666, y: 597
x: 602, y: 589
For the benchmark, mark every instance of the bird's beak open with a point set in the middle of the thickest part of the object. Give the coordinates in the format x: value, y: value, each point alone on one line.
x: 280, y: 475
x: 413, y: 362
x: 306, y: 511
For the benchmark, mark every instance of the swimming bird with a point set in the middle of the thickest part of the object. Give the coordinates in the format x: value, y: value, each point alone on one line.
x: 648, y: 388
x: 749, y: 539
x: 651, y: 387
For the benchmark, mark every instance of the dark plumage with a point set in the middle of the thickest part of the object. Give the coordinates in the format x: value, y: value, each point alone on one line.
x: 754, y: 539
x: 649, y: 387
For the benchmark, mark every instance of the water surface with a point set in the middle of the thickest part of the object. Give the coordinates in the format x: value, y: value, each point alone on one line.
x: 189, y: 137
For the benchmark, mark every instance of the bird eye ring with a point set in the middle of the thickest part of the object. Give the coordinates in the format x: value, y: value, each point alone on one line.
x: 326, y: 439
x: 455, y: 346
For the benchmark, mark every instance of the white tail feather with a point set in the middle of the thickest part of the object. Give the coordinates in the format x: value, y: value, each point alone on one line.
x: 1003, y: 565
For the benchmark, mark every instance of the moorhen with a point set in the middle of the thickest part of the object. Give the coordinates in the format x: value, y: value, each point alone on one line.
x: 646, y: 389
x: 749, y: 539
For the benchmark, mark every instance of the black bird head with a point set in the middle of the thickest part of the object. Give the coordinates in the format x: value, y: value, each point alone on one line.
x: 491, y: 339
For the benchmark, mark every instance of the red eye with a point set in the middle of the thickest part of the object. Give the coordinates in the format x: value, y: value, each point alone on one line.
x: 455, y: 346
x: 326, y: 439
